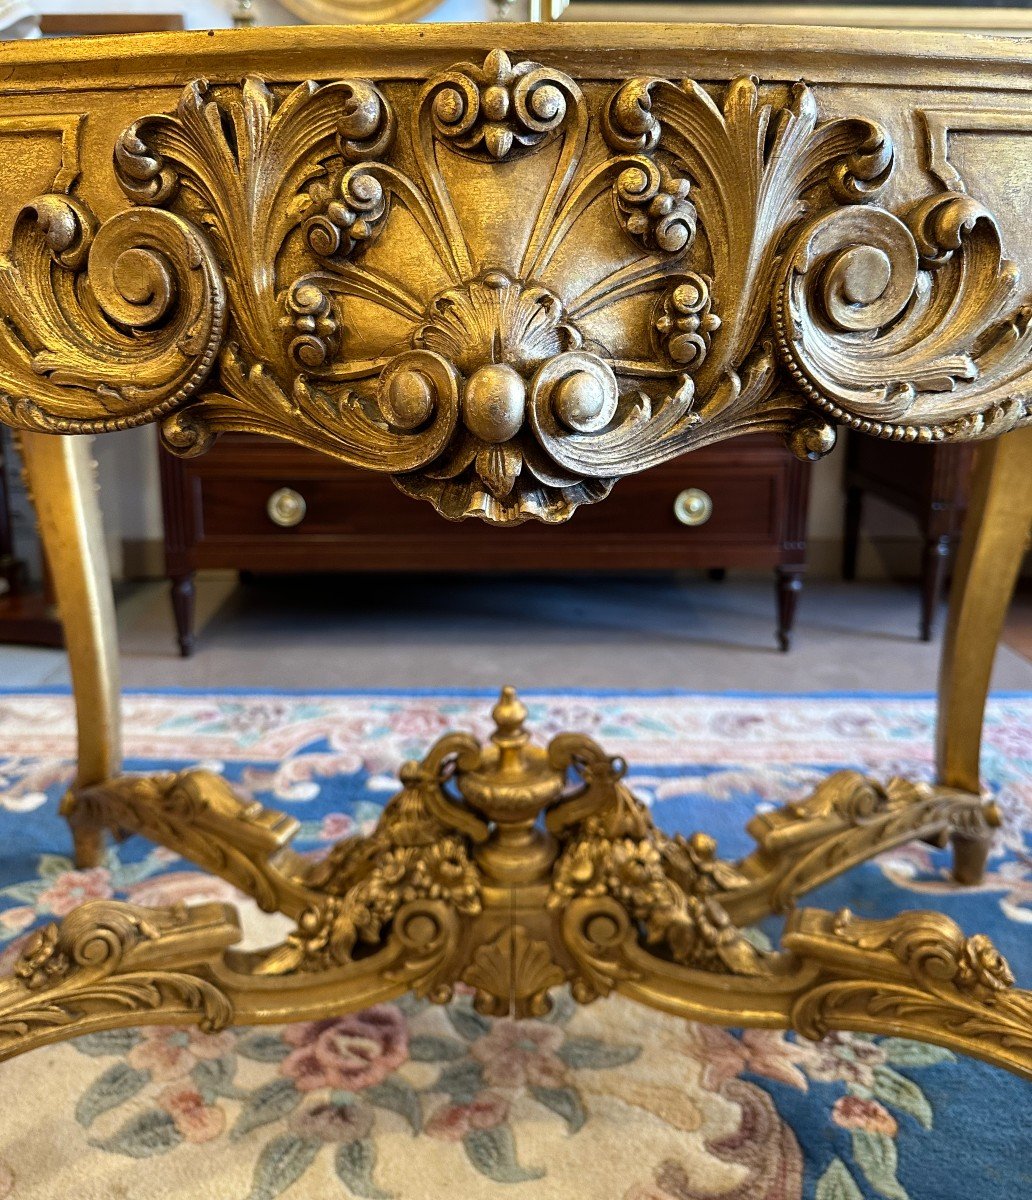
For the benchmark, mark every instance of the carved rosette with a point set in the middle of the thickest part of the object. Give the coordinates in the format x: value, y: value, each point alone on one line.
x: 507, y: 290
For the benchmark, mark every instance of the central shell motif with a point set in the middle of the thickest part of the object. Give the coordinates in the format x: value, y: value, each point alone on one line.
x: 506, y: 345
x: 484, y: 296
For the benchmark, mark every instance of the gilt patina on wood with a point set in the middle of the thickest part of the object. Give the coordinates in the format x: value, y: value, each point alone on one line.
x: 507, y: 277
x: 508, y: 287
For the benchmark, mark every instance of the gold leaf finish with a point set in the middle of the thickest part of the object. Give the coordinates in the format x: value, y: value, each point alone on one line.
x: 507, y: 287
x: 109, y: 962
x: 507, y: 278
x: 462, y: 880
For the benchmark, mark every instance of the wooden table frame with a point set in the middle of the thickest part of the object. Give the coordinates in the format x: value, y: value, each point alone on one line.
x: 342, y: 264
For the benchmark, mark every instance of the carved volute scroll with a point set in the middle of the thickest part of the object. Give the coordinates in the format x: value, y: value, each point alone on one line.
x: 508, y: 290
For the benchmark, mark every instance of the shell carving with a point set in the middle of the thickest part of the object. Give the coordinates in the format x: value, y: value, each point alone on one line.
x: 507, y: 290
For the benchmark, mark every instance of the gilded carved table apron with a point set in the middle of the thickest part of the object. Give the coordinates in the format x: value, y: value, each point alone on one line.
x: 507, y: 278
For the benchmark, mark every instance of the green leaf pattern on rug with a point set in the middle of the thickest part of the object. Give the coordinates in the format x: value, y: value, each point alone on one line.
x: 114, y: 1087
x: 493, y: 1153
x: 317, y: 1083
x: 837, y: 1184
x: 354, y: 1163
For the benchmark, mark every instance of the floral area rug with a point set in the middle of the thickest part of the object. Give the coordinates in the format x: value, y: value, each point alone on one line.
x: 418, y: 1102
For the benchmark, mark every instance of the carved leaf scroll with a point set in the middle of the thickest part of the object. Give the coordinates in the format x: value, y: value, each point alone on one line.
x: 507, y: 290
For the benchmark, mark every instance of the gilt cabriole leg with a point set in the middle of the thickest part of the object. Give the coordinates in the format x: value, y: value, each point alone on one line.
x: 996, y: 534
x: 60, y: 474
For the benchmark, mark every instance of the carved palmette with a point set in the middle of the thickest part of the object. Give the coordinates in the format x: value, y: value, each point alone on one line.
x: 508, y: 291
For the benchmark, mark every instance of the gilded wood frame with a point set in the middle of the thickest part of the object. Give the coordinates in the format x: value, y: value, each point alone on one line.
x: 318, y: 239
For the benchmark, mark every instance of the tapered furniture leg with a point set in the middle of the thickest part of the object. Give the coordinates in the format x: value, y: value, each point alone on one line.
x: 851, y: 533
x: 996, y: 533
x: 184, y: 594
x: 60, y: 473
x: 789, y: 583
x: 933, y: 575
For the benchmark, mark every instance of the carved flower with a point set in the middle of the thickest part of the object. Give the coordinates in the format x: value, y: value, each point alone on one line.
x: 350, y: 1053
x: 334, y: 1122
x: 982, y: 967
x: 72, y: 888
x: 516, y: 1054
x: 685, y: 323
x: 40, y: 959
x: 195, y: 1120
x: 856, y: 1112
x: 170, y: 1053
x: 498, y: 105
x: 452, y: 1122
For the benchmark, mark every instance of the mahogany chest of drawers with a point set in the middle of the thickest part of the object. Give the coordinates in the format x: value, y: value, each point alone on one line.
x: 254, y: 504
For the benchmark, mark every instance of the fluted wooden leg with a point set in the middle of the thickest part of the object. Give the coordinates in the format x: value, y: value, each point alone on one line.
x: 995, y: 536
x: 60, y: 473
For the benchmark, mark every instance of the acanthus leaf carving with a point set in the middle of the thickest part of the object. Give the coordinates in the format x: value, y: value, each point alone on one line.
x: 507, y: 290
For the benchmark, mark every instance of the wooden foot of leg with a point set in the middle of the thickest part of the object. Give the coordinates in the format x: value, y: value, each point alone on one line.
x: 970, y: 855
x: 789, y: 582
x: 849, y: 819
x: 184, y: 597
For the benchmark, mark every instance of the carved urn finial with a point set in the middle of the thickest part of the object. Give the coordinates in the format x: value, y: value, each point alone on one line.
x: 513, y: 783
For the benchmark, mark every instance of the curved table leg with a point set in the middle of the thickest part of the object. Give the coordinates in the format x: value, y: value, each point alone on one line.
x: 60, y: 476
x: 996, y: 534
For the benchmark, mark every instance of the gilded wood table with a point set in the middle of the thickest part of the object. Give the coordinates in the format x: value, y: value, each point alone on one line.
x: 507, y: 278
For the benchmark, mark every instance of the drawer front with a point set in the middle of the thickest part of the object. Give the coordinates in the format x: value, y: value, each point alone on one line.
x: 730, y: 502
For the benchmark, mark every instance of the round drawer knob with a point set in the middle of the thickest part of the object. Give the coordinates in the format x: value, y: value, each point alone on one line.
x: 286, y: 507
x: 693, y: 506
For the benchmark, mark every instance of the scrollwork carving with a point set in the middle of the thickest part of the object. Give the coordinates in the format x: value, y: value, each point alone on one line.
x: 933, y: 979
x: 499, y: 107
x: 107, y: 326
x: 507, y: 290
x: 899, y: 327
x: 108, y: 960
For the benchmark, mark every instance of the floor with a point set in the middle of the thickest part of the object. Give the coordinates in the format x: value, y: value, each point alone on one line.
x: 633, y: 632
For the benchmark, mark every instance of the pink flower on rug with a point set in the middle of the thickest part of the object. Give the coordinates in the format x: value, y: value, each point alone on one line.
x: 195, y: 1120
x: 764, y: 1052
x: 17, y: 919
x: 349, y: 1053
x: 418, y: 720
x: 515, y: 1053
x: 182, y: 887
x: 843, y: 1058
x: 452, y: 1122
x: 72, y: 888
x: 170, y: 1053
x: 854, y: 1112
x: 336, y: 825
